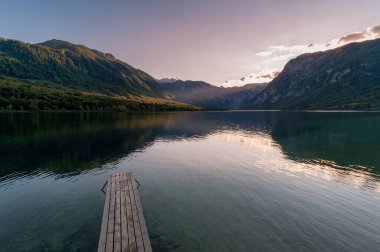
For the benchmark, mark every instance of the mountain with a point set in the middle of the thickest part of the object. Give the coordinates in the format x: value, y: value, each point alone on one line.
x: 345, y: 78
x: 74, y: 66
x: 203, y: 94
x: 57, y: 75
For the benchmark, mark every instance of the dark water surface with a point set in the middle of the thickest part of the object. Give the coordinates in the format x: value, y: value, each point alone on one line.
x: 211, y: 181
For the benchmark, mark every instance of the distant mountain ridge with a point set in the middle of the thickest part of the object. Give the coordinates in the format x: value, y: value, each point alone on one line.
x: 347, y: 77
x: 204, y: 94
x: 73, y: 65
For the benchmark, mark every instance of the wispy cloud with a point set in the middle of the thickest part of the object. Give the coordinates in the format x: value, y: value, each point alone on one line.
x: 375, y: 31
x: 274, y: 58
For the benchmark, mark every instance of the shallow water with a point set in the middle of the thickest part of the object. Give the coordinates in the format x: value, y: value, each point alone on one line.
x: 211, y: 181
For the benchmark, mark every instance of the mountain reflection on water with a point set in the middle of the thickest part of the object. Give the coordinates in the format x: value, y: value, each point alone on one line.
x: 211, y: 181
x: 68, y: 144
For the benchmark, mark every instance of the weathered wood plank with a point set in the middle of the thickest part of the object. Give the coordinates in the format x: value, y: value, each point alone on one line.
x: 123, y: 226
x: 131, y: 227
x: 136, y: 222
x: 143, y: 228
x: 111, y: 216
x: 117, y: 232
x: 103, y: 230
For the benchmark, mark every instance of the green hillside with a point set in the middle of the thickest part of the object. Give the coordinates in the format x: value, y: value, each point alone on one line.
x: 31, y: 95
x: 74, y: 66
x: 58, y: 75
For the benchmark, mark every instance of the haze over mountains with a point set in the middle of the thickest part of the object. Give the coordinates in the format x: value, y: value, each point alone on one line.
x: 58, y: 75
x: 206, y: 95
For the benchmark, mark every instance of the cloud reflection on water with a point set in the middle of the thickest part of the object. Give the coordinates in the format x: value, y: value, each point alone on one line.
x: 335, y: 146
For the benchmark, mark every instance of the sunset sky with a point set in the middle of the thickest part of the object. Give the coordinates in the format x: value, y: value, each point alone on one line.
x: 214, y: 41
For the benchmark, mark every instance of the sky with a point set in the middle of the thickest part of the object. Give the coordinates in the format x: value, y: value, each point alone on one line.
x: 223, y: 42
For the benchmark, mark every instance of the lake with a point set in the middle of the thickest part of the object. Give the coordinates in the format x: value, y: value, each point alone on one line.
x: 210, y: 181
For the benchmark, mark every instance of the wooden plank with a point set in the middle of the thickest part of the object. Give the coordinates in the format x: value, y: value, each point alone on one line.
x: 117, y: 231
x: 111, y: 217
x: 124, y: 224
x: 136, y: 222
x: 131, y: 228
x: 103, y: 230
x: 143, y: 228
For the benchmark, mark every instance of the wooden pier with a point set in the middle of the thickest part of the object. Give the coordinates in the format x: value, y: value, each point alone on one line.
x: 123, y: 227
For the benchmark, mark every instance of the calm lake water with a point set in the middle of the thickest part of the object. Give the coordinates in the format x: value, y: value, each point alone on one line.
x: 210, y: 181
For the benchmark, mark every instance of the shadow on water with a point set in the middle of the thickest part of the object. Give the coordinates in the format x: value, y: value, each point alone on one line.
x: 68, y: 144
x: 71, y: 143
